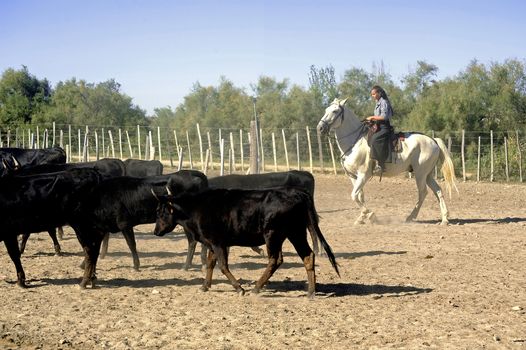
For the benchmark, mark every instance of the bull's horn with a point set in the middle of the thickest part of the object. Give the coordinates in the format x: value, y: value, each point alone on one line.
x: 342, y: 102
x: 15, y: 162
x: 168, y: 190
x: 153, y: 192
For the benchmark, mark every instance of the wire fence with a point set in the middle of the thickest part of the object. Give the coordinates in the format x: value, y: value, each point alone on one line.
x: 477, y: 155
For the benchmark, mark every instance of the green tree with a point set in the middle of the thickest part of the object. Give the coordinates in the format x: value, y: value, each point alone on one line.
x: 80, y: 103
x: 22, y: 95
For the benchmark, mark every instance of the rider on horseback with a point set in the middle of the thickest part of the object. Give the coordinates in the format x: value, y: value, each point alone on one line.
x: 379, y: 141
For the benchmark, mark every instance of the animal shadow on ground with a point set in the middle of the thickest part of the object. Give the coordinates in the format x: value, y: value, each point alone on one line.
x: 276, y: 288
x: 123, y: 282
x: 506, y: 220
x: 370, y: 253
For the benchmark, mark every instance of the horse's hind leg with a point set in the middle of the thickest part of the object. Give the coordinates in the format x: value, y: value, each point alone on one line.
x: 431, y: 182
x: 422, y: 193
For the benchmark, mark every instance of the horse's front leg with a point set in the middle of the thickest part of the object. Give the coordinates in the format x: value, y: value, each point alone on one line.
x: 358, y: 196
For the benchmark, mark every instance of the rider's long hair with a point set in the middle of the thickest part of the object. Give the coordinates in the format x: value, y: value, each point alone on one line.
x: 383, y: 95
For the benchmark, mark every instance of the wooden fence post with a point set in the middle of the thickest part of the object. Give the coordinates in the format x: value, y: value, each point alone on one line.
x: 139, y: 141
x: 491, y: 155
x: 310, y: 149
x: 254, y: 166
x: 262, y: 151
x: 233, y: 164
x: 320, y: 150
x: 120, y: 143
x: 463, y: 156
x: 201, y: 155
x: 285, y: 147
x: 189, y: 151
x: 298, y: 150
x: 210, y: 149
x: 242, y: 156
x: 332, y: 156
x: 129, y: 144
x: 520, y: 155
x: 478, y: 161
x: 274, y: 152
x: 69, y: 144
x: 222, y: 157
x: 159, y: 144
x: 96, y: 145
x: 506, y: 159
x: 177, y: 147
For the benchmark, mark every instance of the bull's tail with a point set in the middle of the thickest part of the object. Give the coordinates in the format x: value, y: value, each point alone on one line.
x: 448, y: 170
x: 313, y: 227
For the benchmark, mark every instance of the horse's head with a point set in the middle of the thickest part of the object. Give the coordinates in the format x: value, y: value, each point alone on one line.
x: 333, y: 116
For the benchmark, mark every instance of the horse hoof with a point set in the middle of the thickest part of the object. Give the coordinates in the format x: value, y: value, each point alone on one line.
x: 203, y: 289
x: 444, y: 223
x: 372, y: 218
x: 359, y: 222
x: 240, y: 292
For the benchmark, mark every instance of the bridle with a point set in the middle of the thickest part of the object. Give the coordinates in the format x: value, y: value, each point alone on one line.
x: 340, y: 114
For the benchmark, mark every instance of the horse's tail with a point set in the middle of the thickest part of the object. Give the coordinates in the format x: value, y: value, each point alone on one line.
x: 313, y: 227
x: 448, y: 170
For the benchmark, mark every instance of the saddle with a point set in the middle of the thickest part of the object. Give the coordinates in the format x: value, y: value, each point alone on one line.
x: 396, y: 141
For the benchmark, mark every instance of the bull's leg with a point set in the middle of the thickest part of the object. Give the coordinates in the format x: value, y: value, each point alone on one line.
x: 23, y: 242
x: 438, y: 194
x: 90, y: 242
x: 129, y: 235
x: 275, y: 259
x: 104, y: 248
x: 222, y: 259
x: 192, y: 244
x: 53, y: 234
x: 204, y: 253
x: 422, y: 193
x: 258, y: 250
x: 11, y: 245
x: 60, y: 232
x: 210, y: 264
x: 301, y: 245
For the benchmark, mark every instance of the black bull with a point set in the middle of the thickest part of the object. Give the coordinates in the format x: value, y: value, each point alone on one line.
x: 37, y: 203
x: 121, y: 203
x: 29, y: 157
x: 221, y: 218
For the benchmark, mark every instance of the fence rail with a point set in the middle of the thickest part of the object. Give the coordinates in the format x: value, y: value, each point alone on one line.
x: 478, y: 156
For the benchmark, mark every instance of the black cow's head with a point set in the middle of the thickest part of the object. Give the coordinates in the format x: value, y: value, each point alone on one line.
x: 10, y: 167
x: 169, y: 214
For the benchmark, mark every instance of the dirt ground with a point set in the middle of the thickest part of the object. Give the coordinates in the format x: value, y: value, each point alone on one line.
x: 418, y: 285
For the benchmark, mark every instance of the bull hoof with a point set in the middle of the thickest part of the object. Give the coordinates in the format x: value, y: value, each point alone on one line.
x: 359, y: 222
x: 21, y: 284
x: 444, y: 223
x: 204, y: 289
x: 311, y: 295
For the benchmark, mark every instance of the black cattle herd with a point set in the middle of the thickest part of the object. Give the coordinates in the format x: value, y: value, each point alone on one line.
x: 39, y: 192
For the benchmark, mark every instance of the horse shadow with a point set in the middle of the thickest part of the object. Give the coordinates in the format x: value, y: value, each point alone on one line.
x: 460, y: 222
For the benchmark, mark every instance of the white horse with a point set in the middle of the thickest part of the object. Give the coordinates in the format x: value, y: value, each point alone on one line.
x: 420, y: 153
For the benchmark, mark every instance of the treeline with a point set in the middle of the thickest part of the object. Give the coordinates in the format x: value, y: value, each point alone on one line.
x: 479, y: 98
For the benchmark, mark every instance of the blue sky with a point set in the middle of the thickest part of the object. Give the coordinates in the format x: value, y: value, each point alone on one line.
x: 157, y: 50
